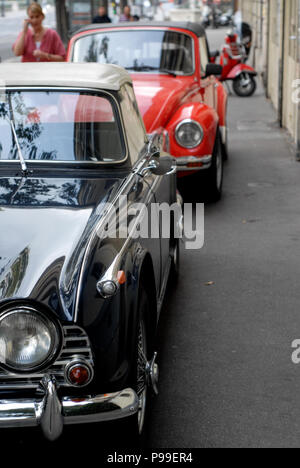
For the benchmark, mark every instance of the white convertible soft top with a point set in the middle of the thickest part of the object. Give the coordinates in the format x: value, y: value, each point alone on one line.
x: 79, y: 75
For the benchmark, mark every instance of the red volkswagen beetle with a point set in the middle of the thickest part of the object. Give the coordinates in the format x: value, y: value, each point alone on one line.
x: 176, y: 89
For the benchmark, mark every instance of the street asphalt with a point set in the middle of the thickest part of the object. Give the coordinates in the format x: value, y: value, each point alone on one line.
x: 226, y: 374
x: 227, y: 378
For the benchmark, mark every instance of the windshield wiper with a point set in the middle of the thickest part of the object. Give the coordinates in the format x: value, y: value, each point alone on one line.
x: 169, y: 72
x: 140, y: 68
x: 12, y: 126
x: 21, y: 157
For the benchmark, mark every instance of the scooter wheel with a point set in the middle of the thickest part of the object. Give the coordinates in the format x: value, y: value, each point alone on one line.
x: 244, y: 85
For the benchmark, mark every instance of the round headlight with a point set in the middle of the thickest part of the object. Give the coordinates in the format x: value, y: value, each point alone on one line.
x: 189, y: 133
x: 27, y: 339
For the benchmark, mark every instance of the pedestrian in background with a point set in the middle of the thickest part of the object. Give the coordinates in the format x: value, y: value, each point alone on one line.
x: 126, y: 15
x: 102, y: 16
x: 37, y: 43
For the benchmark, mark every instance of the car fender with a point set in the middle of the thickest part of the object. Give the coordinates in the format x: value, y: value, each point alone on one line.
x: 240, y: 68
x: 206, y: 116
x: 141, y: 275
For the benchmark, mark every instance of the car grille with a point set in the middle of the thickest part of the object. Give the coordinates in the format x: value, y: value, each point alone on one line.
x: 75, y: 343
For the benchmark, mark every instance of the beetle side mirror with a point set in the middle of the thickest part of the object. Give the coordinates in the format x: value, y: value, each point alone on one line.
x: 213, y: 69
x: 214, y: 55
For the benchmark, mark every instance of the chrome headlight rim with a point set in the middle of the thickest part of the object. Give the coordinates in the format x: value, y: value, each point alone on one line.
x: 189, y: 121
x: 55, y: 331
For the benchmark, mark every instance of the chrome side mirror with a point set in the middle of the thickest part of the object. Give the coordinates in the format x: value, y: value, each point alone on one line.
x: 154, y: 145
x: 153, y: 164
x: 165, y: 165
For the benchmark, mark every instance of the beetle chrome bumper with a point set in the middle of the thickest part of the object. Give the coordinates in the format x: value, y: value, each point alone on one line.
x: 193, y: 163
x: 51, y: 413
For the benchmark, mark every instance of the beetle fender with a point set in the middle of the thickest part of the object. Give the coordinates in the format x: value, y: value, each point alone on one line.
x: 206, y: 116
x: 238, y: 69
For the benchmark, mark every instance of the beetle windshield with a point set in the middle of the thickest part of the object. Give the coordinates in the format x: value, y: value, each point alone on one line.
x: 60, y: 126
x: 148, y: 50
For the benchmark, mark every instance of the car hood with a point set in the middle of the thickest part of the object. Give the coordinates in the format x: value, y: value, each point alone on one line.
x: 45, y: 225
x: 159, y: 97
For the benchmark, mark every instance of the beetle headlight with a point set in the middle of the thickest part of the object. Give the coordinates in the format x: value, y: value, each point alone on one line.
x: 189, y: 133
x: 27, y: 339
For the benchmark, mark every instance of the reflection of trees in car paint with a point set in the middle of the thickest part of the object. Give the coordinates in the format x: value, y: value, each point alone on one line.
x: 13, y: 274
x: 39, y: 192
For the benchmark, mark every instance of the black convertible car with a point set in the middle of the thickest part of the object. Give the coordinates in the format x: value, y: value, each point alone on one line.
x: 81, y: 285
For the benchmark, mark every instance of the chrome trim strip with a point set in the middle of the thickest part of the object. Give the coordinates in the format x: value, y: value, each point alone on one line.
x: 193, y: 169
x: 51, y: 413
x: 108, y: 407
x: 183, y: 161
x: 164, y: 287
x: 84, y: 163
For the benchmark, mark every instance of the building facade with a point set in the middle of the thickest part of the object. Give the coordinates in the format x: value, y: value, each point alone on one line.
x: 276, y: 56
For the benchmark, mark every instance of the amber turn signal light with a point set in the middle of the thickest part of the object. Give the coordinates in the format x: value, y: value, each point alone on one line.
x: 121, y: 277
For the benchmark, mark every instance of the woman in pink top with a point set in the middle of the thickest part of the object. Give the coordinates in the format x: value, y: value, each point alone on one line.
x: 38, y: 44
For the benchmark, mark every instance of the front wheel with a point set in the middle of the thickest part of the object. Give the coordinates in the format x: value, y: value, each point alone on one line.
x: 244, y: 85
x: 134, y: 427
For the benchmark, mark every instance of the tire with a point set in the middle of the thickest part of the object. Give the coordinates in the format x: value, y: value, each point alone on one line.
x: 135, y: 427
x: 214, y: 175
x: 242, y: 89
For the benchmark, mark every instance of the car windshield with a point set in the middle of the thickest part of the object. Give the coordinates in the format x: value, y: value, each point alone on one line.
x: 59, y: 126
x: 153, y: 51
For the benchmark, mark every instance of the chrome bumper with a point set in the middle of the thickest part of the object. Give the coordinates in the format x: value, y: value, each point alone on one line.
x: 51, y: 413
x: 184, y: 162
